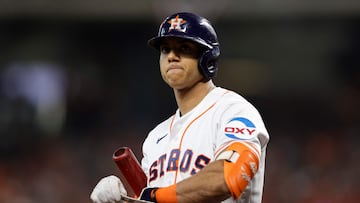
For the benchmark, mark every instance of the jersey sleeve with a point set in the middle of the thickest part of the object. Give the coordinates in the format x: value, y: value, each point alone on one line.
x: 240, y: 122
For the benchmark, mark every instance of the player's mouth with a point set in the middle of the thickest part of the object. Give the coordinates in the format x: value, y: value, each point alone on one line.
x: 174, y: 68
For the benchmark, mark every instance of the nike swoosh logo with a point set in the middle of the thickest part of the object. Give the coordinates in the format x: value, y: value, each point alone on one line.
x: 160, y: 138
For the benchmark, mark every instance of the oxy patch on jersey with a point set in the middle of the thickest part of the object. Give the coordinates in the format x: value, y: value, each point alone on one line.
x: 240, y: 128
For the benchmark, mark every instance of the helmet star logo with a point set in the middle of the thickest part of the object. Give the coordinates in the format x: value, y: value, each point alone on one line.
x: 175, y: 23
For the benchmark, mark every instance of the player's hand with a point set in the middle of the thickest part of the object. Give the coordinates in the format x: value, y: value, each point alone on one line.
x: 108, y: 190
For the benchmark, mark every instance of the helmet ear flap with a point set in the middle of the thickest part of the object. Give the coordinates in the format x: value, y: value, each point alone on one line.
x: 208, y: 62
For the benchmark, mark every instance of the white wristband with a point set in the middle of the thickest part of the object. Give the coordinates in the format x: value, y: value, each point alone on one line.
x: 229, y: 155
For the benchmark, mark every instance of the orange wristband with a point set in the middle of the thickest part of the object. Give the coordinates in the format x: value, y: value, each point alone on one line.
x: 166, y: 194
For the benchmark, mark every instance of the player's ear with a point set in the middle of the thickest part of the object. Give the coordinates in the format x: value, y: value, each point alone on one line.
x: 208, y: 62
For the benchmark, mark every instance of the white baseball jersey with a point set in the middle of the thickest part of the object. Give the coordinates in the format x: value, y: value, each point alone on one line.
x: 182, y: 145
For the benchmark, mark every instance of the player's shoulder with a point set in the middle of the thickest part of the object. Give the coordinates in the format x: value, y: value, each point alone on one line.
x: 230, y: 97
x: 234, y: 108
x: 234, y: 103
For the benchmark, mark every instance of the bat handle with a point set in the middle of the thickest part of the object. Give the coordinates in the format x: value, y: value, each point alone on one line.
x: 131, y: 173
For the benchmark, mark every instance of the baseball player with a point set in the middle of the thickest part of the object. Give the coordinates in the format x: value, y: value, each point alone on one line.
x: 212, y: 149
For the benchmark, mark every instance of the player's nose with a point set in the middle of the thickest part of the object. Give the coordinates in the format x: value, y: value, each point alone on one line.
x: 173, y: 56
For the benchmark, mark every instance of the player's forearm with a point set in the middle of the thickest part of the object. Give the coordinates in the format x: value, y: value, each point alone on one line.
x: 207, y: 186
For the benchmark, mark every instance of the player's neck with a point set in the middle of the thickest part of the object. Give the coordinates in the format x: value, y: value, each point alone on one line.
x: 187, y: 99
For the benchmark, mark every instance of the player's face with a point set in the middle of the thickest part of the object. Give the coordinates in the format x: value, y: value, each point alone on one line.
x: 179, y: 63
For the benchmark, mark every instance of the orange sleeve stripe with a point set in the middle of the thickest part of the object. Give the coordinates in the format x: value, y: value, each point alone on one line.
x: 251, y: 146
x: 217, y: 152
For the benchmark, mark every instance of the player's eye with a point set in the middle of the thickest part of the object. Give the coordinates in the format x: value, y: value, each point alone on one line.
x: 165, y: 49
x: 186, y: 49
x: 189, y: 49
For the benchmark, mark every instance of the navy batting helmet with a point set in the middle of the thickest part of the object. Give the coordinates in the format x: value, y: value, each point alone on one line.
x: 197, y: 29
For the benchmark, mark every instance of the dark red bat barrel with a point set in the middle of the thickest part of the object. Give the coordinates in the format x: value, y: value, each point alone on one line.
x: 131, y: 173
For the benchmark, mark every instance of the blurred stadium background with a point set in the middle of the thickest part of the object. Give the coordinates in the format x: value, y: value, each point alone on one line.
x: 77, y: 81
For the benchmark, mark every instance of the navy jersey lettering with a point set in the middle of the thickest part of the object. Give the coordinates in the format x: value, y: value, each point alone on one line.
x: 162, y: 160
x: 171, y: 163
x: 186, y: 160
x: 200, y: 162
x: 173, y: 160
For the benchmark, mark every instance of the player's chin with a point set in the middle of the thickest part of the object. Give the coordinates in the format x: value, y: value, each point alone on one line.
x: 175, y: 84
x: 174, y: 80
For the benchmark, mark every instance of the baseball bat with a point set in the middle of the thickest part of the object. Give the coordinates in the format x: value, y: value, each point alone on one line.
x: 131, y: 173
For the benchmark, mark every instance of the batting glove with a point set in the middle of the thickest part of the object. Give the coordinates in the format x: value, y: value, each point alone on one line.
x: 108, y: 190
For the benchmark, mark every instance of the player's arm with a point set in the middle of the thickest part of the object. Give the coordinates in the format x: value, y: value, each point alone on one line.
x: 225, y: 177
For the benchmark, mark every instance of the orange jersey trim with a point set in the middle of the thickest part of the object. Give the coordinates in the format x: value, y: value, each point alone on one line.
x: 187, y: 127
